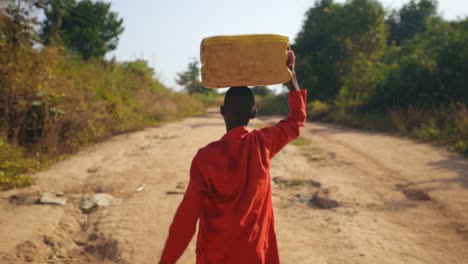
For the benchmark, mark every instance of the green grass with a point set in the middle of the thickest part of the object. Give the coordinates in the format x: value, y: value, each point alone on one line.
x: 308, y: 150
x: 296, y: 182
x: 14, y: 167
x: 301, y: 142
x: 441, y: 126
x: 286, y: 183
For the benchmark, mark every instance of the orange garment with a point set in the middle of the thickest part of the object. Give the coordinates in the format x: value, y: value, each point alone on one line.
x: 230, y: 191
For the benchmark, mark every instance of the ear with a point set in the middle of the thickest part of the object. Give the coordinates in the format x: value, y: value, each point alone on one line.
x: 221, y: 110
x: 253, y: 114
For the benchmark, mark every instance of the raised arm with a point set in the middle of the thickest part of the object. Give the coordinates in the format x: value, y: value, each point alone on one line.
x: 279, y: 135
x: 293, y: 84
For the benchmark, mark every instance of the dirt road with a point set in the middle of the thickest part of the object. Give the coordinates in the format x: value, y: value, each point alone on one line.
x: 340, y: 196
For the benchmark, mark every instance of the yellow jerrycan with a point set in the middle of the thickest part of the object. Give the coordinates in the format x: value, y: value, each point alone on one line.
x: 244, y: 60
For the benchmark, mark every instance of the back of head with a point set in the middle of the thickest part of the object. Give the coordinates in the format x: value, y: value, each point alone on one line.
x: 239, y: 105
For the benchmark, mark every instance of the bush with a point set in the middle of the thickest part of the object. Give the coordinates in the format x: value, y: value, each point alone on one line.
x: 209, y: 99
x: 461, y: 125
x: 317, y: 109
x: 53, y: 103
x: 428, y: 130
x: 414, y: 84
x: 14, y: 167
x: 461, y: 122
x: 274, y: 105
x: 462, y: 146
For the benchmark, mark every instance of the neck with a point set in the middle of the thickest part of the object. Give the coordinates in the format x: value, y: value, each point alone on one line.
x: 231, y: 126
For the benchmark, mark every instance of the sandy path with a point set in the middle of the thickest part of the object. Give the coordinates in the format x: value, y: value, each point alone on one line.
x: 367, y: 174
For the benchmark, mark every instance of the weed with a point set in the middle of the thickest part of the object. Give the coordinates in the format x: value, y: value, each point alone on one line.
x: 317, y: 109
x: 462, y: 146
x: 14, y: 166
x: 274, y: 105
x: 296, y: 182
x: 301, y: 142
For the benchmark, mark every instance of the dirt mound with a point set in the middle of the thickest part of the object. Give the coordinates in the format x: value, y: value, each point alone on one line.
x: 103, y: 248
x: 26, y: 251
x: 412, y: 193
x: 323, y: 199
x: 24, y: 199
x: 416, y: 195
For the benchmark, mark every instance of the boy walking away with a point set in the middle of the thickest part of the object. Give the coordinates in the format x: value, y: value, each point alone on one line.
x: 230, y: 186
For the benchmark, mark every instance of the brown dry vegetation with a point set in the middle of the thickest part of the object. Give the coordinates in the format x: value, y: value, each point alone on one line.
x: 51, y: 102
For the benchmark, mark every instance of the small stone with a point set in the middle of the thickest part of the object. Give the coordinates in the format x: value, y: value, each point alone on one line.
x: 314, y: 183
x: 93, y: 169
x: 322, y: 200
x: 314, y: 157
x: 416, y: 195
x: 52, y: 198
x: 90, y: 204
x: 80, y: 243
x: 180, y: 185
x: 59, y: 193
x: 24, y: 199
x: 104, y: 199
x: 145, y: 147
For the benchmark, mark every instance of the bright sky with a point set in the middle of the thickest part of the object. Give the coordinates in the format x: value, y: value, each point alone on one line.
x: 168, y: 33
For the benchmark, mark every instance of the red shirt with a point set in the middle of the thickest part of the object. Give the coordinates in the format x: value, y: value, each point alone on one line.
x: 230, y: 191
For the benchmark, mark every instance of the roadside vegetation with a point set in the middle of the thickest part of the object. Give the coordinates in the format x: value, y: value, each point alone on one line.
x: 401, y: 71
x: 59, y: 93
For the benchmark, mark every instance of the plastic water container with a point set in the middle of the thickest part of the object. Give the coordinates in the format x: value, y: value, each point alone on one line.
x: 244, y: 60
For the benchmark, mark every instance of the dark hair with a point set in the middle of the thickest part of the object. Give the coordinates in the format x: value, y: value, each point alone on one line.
x: 239, y: 96
x: 239, y: 100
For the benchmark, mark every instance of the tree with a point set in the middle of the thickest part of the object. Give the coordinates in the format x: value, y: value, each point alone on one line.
x: 139, y: 67
x: 410, y: 20
x: 190, y: 79
x: 86, y: 28
x: 340, y: 46
x: 318, y: 49
x: 17, y: 56
x: 17, y: 22
x: 429, y: 70
x: 452, y: 62
x: 262, y: 91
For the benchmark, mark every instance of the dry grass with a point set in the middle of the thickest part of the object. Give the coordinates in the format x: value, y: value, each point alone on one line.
x: 52, y: 103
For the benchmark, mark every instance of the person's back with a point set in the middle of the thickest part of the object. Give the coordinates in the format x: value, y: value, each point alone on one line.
x: 230, y: 187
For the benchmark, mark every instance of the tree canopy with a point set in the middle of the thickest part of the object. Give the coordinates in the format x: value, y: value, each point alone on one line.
x: 87, y: 28
x: 404, y: 69
x: 352, y: 54
x: 411, y: 19
x: 340, y: 47
x: 190, y: 79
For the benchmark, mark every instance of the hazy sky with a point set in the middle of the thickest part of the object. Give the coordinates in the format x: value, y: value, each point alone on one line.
x: 168, y: 33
